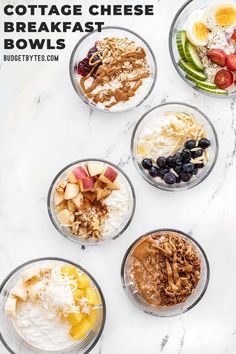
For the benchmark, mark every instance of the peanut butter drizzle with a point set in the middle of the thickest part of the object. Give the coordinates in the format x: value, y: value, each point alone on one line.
x: 165, y: 268
x: 113, y: 70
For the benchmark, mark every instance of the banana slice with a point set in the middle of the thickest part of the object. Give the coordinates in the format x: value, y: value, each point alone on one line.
x: 20, y: 292
x: 34, y: 290
x: 30, y: 276
x: 10, y: 306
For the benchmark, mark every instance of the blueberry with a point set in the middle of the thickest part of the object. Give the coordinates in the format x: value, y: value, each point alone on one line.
x: 164, y: 171
x: 204, y: 143
x: 188, y: 167
x: 196, y: 153
x: 190, y: 144
x: 195, y: 171
x: 153, y: 171
x: 186, y: 154
x: 161, y: 161
x: 177, y: 158
x: 147, y: 164
x: 186, y: 161
x: 199, y: 165
x: 185, y: 177
x: 170, y: 161
x: 178, y: 179
x: 170, y: 178
x: 178, y: 169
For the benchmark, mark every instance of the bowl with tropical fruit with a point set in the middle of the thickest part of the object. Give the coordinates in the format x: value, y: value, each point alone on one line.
x: 202, y: 44
x: 51, y: 305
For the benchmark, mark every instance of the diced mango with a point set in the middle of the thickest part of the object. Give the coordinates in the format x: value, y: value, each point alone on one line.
x: 70, y: 271
x: 84, y: 281
x: 80, y: 331
x: 78, y: 294
x: 75, y: 318
x: 92, y: 296
x: 92, y: 317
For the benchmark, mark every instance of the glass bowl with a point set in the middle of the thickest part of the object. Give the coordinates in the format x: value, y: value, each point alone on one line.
x: 115, y: 230
x: 15, y: 343
x: 80, y: 51
x: 178, y: 23
x: 166, y: 311
x: 154, y: 114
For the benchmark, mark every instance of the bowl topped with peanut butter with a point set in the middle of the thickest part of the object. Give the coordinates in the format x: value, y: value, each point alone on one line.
x: 113, y: 70
x: 165, y: 272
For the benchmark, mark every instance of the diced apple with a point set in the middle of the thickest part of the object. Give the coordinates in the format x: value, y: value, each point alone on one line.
x: 86, y: 184
x: 92, y: 317
x: 102, y: 193
x: 98, y: 184
x: 75, y: 318
x: 80, y: 172
x: 78, y: 200
x: 65, y: 217
x: 108, y: 175
x: 34, y: 289
x: 80, y: 331
x: 61, y: 206
x: 84, y: 281
x: 71, y: 191
x: 113, y: 185
x: 95, y: 168
x: 58, y: 198
x: 72, y: 178
x: 92, y: 296
x: 20, y: 292
x: 10, y: 306
x: 90, y: 196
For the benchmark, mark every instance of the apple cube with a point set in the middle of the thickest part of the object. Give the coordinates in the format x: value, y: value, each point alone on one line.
x: 78, y: 200
x: 20, y: 292
x: 108, y: 175
x: 80, y: 331
x: 72, y: 178
x: 95, y: 168
x: 58, y: 198
x: 71, y: 191
x: 10, y: 306
x: 113, y: 185
x: 80, y: 172
x: 86, y: 184
x: 65, y: 217
x: 102, y: 193
x: 90, y: 196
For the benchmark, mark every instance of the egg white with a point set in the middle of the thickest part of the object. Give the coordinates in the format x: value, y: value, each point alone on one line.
x: 192, y: 19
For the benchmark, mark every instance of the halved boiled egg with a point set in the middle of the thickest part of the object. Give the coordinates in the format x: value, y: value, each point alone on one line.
x: 223, y: 15
x: 196, y: 30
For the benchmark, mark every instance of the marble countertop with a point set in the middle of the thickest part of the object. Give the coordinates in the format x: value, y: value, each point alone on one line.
x: 45, y: 126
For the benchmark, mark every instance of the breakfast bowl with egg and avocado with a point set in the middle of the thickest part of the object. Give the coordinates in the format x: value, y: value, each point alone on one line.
x: 202, y: 45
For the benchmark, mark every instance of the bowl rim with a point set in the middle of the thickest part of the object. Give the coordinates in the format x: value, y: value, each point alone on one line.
x: 71, y: 69
x: 79, y: 240
x: 35, y: 260
x: 171, y: 32
x: 165, y: 187
x: 199, y: 247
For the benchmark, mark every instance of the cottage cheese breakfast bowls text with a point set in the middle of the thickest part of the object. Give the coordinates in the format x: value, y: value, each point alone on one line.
x: 174, y: 146
x: 113, y: 70
x: 202, y: 44
x: 51, y: 305
x: 91, y: 201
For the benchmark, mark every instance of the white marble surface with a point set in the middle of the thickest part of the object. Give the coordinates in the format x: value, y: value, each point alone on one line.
x: 44, y: 126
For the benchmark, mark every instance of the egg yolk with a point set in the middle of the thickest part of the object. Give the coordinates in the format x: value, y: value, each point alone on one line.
x: 225, y: 15
x: 200, y: 31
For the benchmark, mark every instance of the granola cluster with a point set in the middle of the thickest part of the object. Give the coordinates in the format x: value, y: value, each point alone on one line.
x: 165, y: 268
x: 117, y: 68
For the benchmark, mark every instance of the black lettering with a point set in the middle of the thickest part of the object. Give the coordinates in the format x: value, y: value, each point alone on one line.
x: 32, y: 27
x: 36, y: 43
x: 77, y: 27
x: 53, y: 11
x: 92, y: 10
x: 8, y: 27
x: 20, y: 27
x: 66, y: 10
x: 99, y: 25
x: 128, y: 10
x: 49, y: 44
x: 7, y: 10
x: 21, y: 43
x: 60, y: 43
x: 8, y: 44
x: 77, y: 10
x: 66, y: 26
x: 20, y: 10
x: 43, y: 27
x: 43, y: 8
x: 149, y: 10
x: 117, y: 10
x: 32, y: 9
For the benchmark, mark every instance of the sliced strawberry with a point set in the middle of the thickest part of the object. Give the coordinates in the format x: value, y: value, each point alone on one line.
x: 217, y: 56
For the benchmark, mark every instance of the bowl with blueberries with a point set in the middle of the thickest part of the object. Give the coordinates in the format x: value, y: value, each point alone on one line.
x: 174, y: 146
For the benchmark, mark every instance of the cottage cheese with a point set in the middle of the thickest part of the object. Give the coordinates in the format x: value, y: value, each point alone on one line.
x: 118, y: 203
